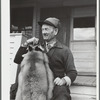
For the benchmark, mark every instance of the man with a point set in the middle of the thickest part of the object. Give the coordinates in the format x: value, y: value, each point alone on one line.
x: 60, y: 58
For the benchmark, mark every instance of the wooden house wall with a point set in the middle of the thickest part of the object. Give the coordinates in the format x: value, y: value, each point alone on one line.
x: 16, y: 39
x: 84, y: 51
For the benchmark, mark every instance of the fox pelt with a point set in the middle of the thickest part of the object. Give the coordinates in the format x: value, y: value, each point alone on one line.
x: 35, y: 80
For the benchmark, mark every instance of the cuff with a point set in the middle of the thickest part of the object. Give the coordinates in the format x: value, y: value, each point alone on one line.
x: 68, y: 80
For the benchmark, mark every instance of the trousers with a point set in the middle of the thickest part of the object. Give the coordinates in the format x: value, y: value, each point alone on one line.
x: 61, y: 93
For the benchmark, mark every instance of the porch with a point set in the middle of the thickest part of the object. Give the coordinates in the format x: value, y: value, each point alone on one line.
x: 68, y: 11
x: 84, y: 88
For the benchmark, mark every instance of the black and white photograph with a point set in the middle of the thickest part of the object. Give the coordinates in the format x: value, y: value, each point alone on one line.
x: 52, y: 49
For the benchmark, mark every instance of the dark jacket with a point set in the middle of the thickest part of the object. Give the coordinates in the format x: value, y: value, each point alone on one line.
x: 60, y: 58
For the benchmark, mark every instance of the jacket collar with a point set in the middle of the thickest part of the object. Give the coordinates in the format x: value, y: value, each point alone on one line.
x: 58, y: 44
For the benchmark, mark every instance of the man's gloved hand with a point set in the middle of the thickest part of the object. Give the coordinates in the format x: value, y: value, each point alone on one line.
x: 60, y: 81
x: 33, y: 40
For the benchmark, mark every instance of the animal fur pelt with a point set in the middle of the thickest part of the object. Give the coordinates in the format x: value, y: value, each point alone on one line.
x: 35, y: 80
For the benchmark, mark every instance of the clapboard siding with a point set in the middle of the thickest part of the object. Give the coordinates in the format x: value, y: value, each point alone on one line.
x: 83, y: 93
x: 84, y: 56
x: 15, y: 41
x: 81, y: 46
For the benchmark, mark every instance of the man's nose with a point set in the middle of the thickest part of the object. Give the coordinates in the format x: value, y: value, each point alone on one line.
x: 44, y: 31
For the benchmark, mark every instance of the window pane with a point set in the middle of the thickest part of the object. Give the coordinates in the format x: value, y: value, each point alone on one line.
x: 84, y: 33
x: 84, y: 28
x: 22, y: 16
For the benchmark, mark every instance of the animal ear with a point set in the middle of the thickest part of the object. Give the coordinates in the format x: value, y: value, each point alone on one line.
x: 23, y: 55
x: 26, y: 57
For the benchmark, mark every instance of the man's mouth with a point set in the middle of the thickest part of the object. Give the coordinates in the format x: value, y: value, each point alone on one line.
x: 45, y: 34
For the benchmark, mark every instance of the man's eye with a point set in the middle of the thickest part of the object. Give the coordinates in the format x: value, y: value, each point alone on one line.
x: 46, y: 29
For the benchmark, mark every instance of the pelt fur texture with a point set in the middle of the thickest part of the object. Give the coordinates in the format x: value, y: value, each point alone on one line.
x: 35, y: 80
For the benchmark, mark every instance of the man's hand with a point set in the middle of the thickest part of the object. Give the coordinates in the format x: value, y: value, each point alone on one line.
x: 33, y: 40
x: 60, y: 81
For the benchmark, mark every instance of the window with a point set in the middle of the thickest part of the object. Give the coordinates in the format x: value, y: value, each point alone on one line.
x: 22, y: 16
x: 84, y: 28
x: 21, y: 20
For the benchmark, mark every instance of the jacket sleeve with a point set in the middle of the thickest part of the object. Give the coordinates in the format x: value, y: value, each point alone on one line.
x: 18, y: 57
x: 69, y: 66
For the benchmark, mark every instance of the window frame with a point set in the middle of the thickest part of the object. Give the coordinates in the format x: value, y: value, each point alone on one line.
x: 83, y: 39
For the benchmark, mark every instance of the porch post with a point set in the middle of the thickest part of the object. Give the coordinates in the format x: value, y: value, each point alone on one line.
x: 36, y: 18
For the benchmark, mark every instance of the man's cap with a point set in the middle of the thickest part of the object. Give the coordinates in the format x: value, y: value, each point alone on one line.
x: 52, y: 21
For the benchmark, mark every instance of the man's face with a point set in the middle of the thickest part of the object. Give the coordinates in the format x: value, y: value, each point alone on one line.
x: 48, y: 32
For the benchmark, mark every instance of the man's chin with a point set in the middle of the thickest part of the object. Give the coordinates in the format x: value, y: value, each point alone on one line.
x: 46, y: 39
